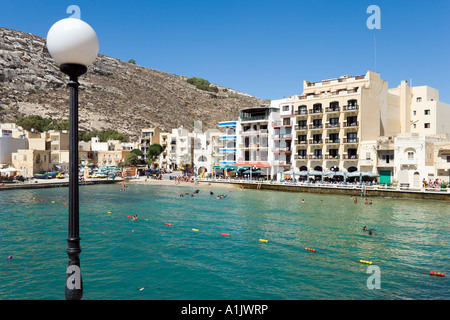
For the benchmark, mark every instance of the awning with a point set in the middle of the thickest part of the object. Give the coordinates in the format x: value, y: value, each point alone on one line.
x: 252, y: 164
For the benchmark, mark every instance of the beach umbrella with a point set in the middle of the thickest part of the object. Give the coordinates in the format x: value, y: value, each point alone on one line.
x: 316, y: 173
x: 303, y: 173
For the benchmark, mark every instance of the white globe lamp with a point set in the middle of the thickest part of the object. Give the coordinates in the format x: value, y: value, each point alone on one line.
x: 74, y: 46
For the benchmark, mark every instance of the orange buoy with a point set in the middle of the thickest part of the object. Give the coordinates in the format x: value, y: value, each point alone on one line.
x: 168, y: 224
x: 225, y: 234
x: 440, y: 274
x: 309, y: 249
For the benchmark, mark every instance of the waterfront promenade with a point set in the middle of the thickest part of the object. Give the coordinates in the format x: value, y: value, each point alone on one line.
x: 437, y: 194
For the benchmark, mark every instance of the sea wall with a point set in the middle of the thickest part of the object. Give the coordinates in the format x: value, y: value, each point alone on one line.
x: 401, y: 193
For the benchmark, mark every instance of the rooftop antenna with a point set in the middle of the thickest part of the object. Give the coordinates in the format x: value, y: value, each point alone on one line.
x: 374, y: 22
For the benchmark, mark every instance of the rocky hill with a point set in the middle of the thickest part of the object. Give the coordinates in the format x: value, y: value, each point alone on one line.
x: 113, y: 94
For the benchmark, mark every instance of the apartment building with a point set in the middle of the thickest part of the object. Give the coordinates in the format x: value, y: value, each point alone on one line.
x: 148, y: 137
x: 228, y: 138
x: 254, y: 138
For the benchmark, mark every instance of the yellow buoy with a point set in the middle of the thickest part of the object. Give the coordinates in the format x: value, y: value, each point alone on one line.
x: 109, y: 212
x: 196, y: 230
x: 364, y: 261
x: 53, y: 201
x: 263, y: 240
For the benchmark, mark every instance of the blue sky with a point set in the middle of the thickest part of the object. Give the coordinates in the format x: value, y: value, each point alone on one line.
x: 264, y: 48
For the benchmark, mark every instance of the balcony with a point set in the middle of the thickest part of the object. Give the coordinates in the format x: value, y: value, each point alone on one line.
x: 350, y: 124
x: 350, y: 156
x: 350, y: 108
x: 331, y: 157
x: 315, y: 111
x: 253, y: 146
x: 408, y: 162
x: 301, y: 112
x: 282, y: 150
x: 301, y: 128
x: 316, y: 142
x: 315, y: 157
x: 254, y: 118
x: 315, y: 126
x: 331, y: 110
x: 332, y: 125
x: 227, y: 150
x: 300, y: 157
x: 286, y: 136
x: 331, y: 141
x: 350, y: 140
x: 304, y: 142
x: 253, y: 132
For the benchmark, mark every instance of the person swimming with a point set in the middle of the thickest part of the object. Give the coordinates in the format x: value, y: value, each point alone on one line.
x: 303, y: 201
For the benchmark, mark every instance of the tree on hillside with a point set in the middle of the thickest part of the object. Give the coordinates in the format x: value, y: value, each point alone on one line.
x: 41, y: 124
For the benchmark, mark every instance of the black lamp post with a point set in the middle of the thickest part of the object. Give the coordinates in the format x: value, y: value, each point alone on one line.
x: 74, y: 45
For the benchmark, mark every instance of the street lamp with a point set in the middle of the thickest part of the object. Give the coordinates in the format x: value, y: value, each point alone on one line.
x: 74, y: 46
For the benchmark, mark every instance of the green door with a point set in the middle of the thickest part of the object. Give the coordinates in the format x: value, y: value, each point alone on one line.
x: 385, y: 176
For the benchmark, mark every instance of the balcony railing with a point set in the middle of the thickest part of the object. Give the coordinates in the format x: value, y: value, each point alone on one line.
x: 331, y: 157
x: 315, y: 141
x: 331, y: 140
x: 335, y: 109
x: 350, y: 108
x: 301, y: 141
x: 315, y: 126
x: 286, y: 136
x: 315, y: 156
x: 254, y: 118
x: 350, y: 140
x: 314, y: 111
x: 350, y: 124
x: 253, y: 132
x: 300, y: 157
x: 281, y: 150
x: 350, y: 157
x: 297, y: 127
x: 301, y: 112
x: 252, y: 146
x: 332, y: 125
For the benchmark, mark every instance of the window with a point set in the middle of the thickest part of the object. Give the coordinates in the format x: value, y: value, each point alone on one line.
x: 419, y: 99
x: 448, y: 158
x: 414, y: 112
x: 426, y: 125
x: 414, y: 125
x: 285, y: 108
x: 410, y: 155
x: 367, y: 155
x: 427, y: 112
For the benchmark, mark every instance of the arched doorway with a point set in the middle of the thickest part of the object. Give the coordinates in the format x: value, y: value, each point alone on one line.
x: 303, y: 168
x: 352, y: 169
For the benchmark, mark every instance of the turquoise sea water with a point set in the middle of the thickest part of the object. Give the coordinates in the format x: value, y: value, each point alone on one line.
x: 147, y: 259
